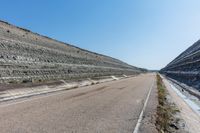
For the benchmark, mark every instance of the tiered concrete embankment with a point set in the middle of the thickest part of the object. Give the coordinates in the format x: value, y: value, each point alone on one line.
x: 186, y: 67
x: 30, y: 57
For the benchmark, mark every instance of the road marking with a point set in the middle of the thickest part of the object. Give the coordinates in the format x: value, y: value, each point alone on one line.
x: 142, y: 112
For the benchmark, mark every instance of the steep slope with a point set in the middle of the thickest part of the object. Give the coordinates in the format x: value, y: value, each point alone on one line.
x: 186, y: 67
x: 30, y: 57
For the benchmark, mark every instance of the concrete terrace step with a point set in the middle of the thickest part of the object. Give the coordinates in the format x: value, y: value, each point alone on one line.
x: 44, y: 89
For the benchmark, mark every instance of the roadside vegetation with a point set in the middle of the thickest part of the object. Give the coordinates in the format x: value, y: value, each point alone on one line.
x: 166, y: 121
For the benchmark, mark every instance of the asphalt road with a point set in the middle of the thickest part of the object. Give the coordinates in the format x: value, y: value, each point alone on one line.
x: 111, y: 107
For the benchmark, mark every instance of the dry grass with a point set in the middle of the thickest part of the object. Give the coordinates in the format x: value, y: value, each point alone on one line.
x: 165, y: 110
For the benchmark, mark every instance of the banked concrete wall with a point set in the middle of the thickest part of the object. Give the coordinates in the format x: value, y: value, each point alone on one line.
x: 30, y: 57
x: 186, y: 67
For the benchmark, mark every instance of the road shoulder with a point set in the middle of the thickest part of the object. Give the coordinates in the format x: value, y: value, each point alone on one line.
x: 149, y: 117
x: 190, y: 117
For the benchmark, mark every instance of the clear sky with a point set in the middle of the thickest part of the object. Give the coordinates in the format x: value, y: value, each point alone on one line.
x: 144, y: 33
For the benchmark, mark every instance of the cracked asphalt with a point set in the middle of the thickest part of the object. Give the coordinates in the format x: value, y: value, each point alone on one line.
x: 111, y: 107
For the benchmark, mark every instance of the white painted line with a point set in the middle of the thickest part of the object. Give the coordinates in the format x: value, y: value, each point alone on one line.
x: 142, y: 112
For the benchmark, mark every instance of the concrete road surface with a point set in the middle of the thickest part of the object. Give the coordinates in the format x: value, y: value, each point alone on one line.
x: 112, y: 107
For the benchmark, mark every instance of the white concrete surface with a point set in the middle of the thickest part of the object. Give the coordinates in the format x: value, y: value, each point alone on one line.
x: 186, y: 106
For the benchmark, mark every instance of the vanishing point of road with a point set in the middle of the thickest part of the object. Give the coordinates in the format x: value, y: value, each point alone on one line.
x: 110, y: 107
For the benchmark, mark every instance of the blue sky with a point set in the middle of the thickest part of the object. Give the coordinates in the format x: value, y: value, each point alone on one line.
x: 144, y: 33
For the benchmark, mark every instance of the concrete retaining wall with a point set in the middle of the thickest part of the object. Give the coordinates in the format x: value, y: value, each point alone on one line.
x: 30, y: 57
x: 186, y: 67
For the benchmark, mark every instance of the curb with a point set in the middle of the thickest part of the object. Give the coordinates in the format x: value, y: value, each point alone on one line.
x: 44, y: 89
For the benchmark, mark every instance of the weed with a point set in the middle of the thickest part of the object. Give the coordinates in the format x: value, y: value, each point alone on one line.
x: 165, y: 110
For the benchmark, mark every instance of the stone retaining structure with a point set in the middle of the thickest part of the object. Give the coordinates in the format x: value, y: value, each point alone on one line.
x: 30, y: 57
x: 186, y: 67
